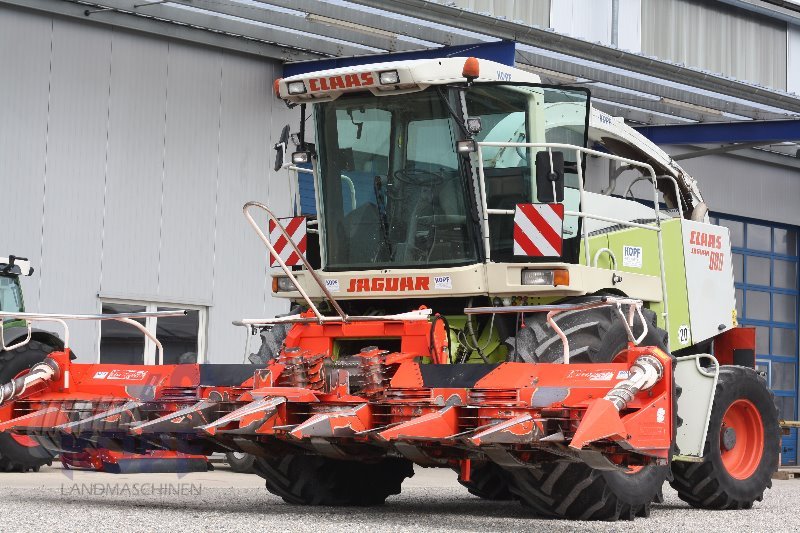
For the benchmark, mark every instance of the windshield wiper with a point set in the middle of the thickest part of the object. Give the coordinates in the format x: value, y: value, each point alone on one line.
x: 380, y: 200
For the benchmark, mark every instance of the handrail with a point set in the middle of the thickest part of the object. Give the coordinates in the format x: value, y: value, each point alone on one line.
x: 662, y: 176
x: 579, y: 167
x: 352, y: 187
x: 320, y: 318
x: 634, y: 306
x: 608, y: 251
x: 127, y: 318
x: 419, y: 314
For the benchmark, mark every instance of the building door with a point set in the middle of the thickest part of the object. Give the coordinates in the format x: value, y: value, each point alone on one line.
x: 765, y: 266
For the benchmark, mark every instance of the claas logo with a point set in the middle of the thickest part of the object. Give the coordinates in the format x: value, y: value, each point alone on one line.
x: 348, y: 81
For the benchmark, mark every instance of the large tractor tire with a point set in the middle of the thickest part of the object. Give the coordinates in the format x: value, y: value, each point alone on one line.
x: 488, y: 481
x: 742, y: 446
x: 316, y: 480
x: 574, y: 490
x: 20, y: 453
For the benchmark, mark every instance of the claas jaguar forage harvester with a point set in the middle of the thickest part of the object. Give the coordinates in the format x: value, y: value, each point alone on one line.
x: 471, y: 290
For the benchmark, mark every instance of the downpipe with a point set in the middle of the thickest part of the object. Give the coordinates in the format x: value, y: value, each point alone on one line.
x: 644, y: 374
x: 602, y: 420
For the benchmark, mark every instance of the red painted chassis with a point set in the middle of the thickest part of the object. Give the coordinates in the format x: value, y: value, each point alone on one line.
x: 359, y: 407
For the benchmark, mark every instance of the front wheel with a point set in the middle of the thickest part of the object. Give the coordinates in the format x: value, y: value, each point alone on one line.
x: 741, y: 449
x: 317, y: 480
x: 575, y: 490
x: 579, y: 492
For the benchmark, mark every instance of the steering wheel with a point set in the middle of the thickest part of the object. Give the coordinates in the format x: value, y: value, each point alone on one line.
x: 420, y: 177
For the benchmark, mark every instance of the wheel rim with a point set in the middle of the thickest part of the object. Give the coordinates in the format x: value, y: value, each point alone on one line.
x: 741, y: 439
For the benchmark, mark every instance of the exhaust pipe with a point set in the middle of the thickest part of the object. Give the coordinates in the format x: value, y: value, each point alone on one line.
x: 41, y: 373
x: 602, y: 420
x: 645, y: 372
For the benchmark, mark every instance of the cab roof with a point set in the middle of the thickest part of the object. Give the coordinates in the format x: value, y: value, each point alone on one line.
x: 411, y: 75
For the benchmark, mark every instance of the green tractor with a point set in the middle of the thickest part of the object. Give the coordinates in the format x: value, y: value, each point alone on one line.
x: 19, y: 453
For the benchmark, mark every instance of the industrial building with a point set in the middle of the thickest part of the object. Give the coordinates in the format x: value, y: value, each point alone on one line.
x: 133, y: 131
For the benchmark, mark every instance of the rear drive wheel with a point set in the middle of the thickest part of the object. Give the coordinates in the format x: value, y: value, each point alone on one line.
x: 20, y: 453
x: 316, y: 480
x: 742, y: 446
x: 240, y: 462
x: 574, y: 490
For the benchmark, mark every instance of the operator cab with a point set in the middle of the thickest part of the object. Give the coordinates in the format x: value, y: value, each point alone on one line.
x: 393, y: 189
x: 11, y: 268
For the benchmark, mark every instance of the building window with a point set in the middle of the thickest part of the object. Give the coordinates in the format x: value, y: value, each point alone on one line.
x: 765, y: 267
x: 182, y: 337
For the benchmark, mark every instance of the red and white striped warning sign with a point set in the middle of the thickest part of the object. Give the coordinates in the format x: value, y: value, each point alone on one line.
x: 296, y: 228
x: 537, y: 229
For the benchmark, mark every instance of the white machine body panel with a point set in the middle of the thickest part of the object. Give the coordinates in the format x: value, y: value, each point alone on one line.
x: 709, y: 279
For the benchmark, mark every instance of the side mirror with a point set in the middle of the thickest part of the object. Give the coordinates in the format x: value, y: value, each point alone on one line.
x: 550, y: 176
x: 280, y: 149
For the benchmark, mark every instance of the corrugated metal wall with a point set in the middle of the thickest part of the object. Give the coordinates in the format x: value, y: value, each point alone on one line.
x: 592, y: 20
x: 125, y: 163
x: 716, y: 37
x: 529, y: 11
x: 793, y: 59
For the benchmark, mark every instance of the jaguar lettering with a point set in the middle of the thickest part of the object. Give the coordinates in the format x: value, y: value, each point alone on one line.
x: 387, y: 284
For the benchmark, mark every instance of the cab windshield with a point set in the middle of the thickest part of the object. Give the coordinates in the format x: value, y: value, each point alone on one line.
x: 10, y: 294
x: 394, y: 192
x: 527, y: 114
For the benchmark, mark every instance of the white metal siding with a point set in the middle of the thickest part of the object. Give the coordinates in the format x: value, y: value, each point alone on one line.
x: 586, y: 19
x: 126, y: 160
x: 189, y: 187
x: 746, y: 187
x: 75, y: 174
x: 793, y: 59
x: 591, y: 20
x: 135, y: 152
x: 716, y: 37
x: 24, y: 93
x: 244, y: 165
x: 630, y: 25
x: 532, y: 12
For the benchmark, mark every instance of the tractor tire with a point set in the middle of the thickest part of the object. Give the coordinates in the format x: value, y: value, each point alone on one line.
x: 579, y: 492
x: 239, y: 462
x: 595, y: 335
x: 742, y: 446
x: 317, y: 480
x: 489, y: 482
x: 20, y: 454
x: 575, y: 490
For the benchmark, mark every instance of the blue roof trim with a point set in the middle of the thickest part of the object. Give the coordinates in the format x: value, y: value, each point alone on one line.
x: 503, y: 52
x: 724, y: 132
